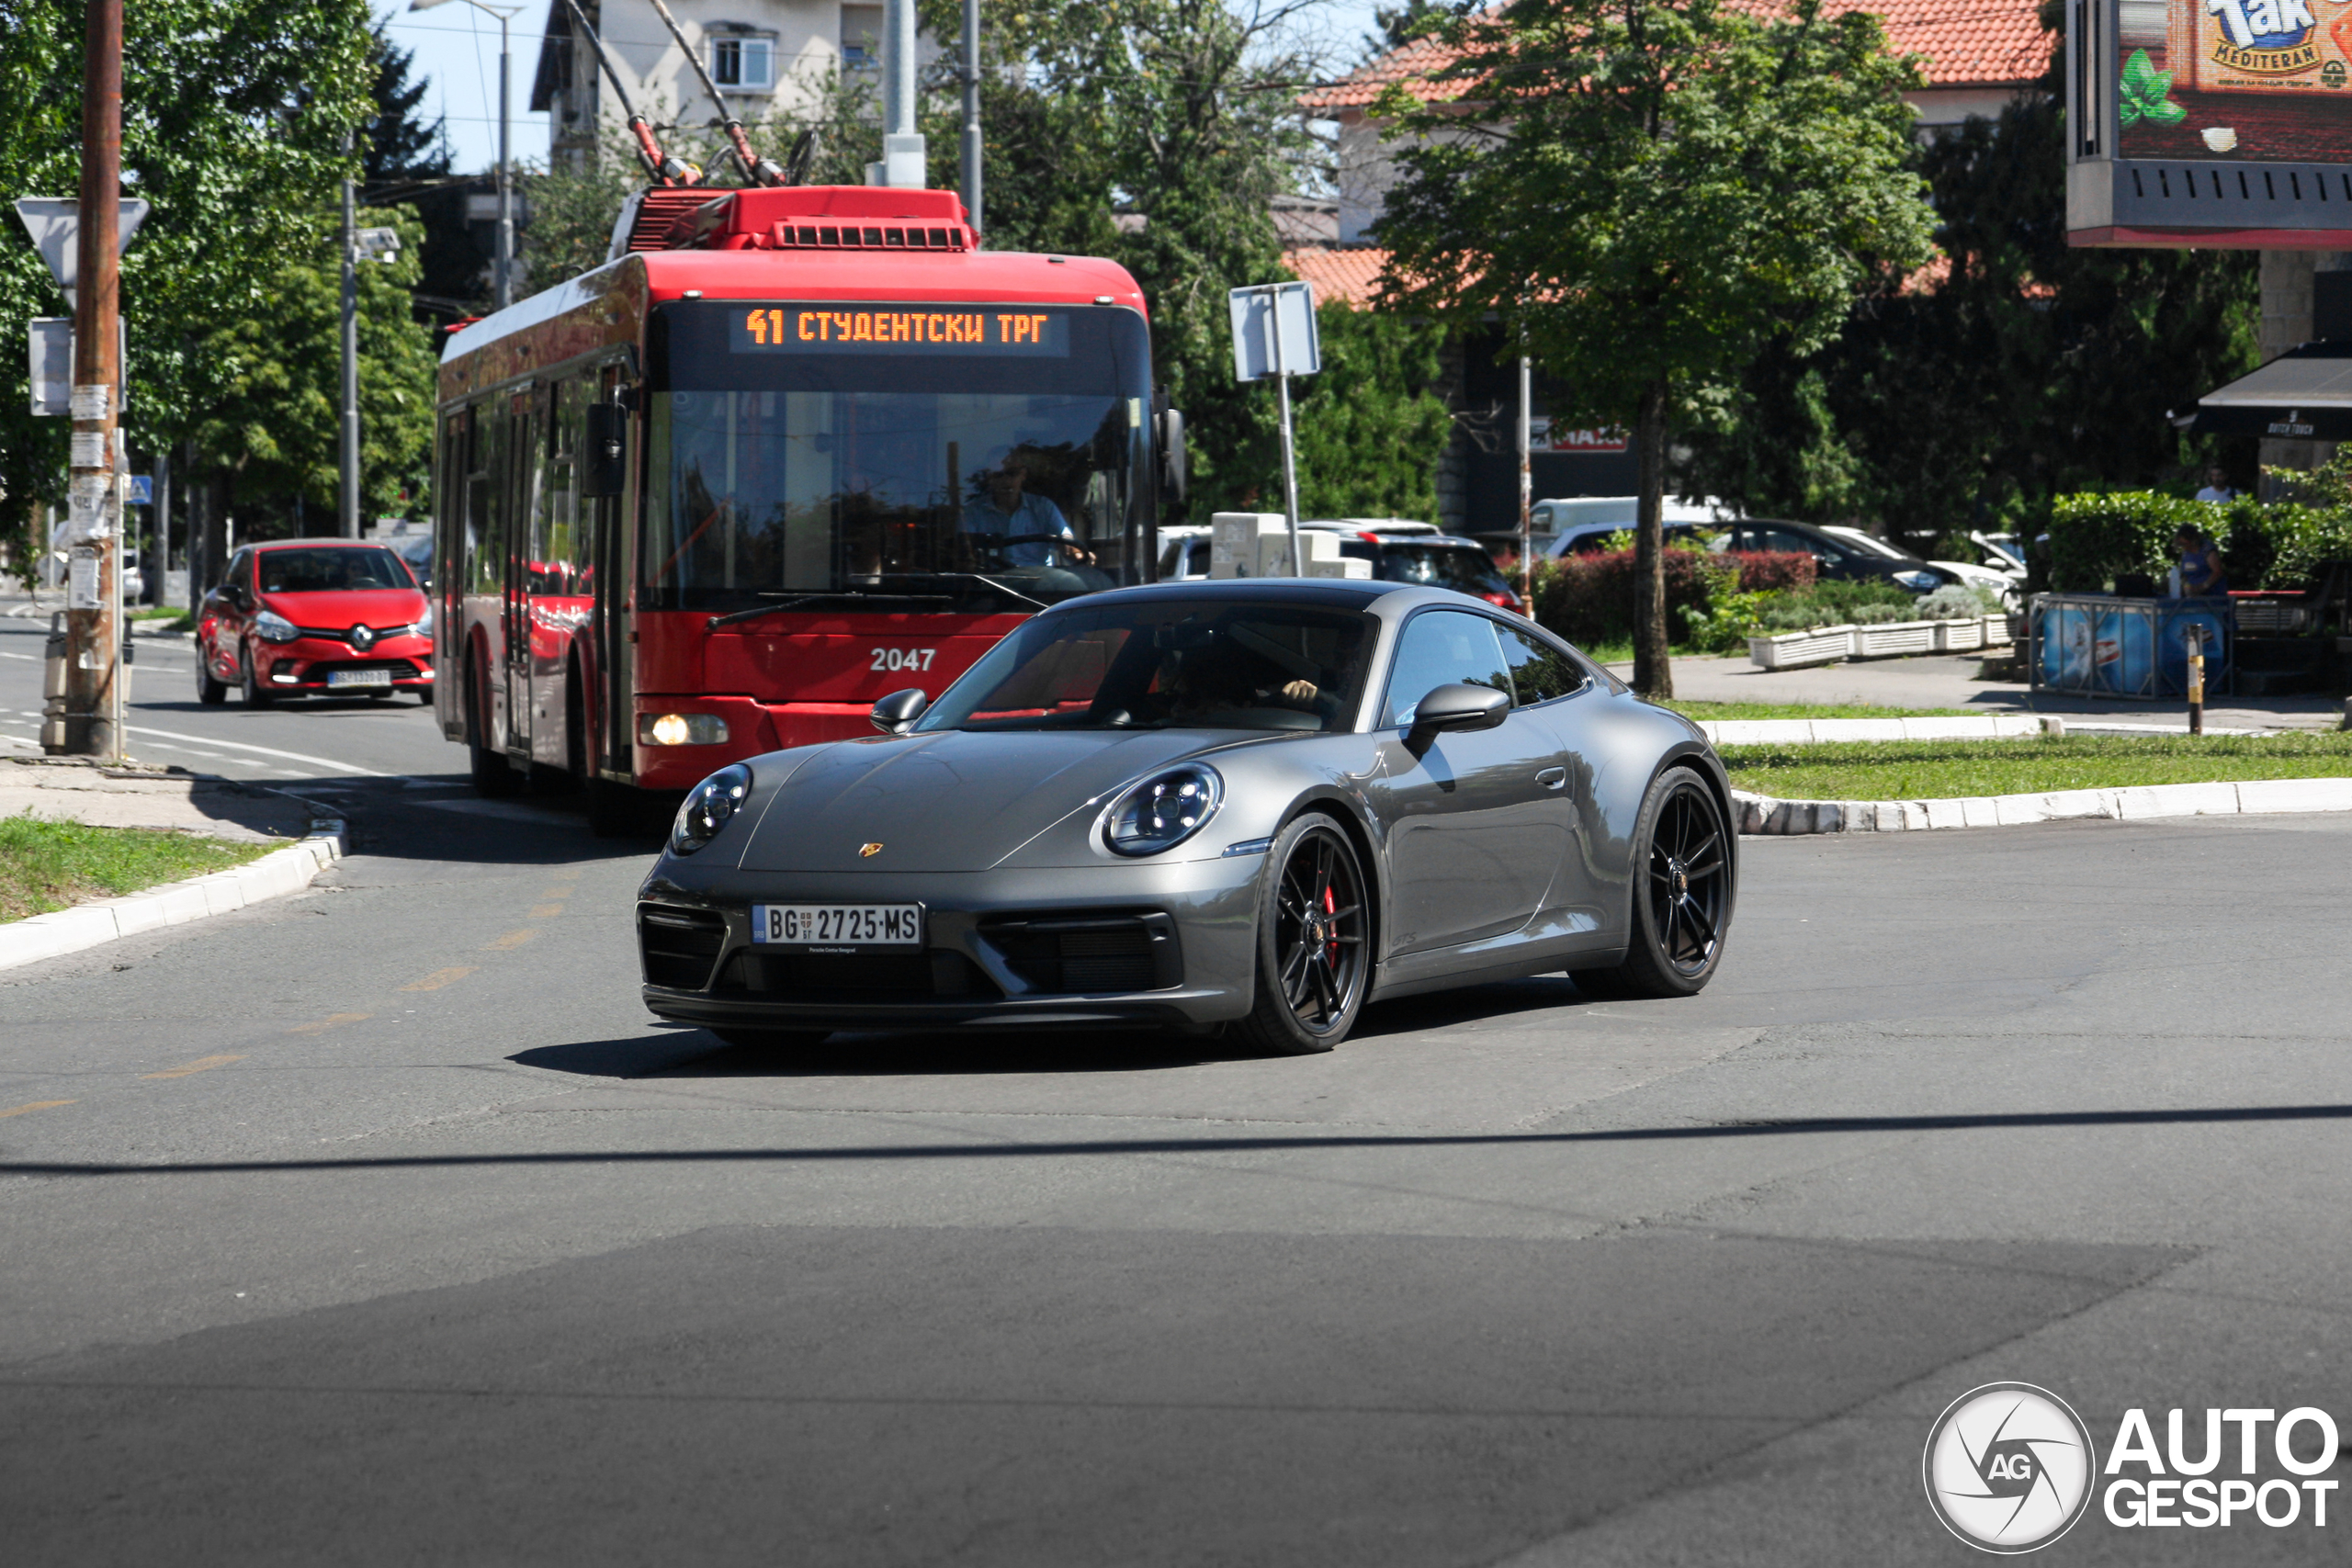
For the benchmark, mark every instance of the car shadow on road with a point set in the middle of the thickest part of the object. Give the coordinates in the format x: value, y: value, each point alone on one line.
x: 684, y: 1053
x: 1472, y: 1004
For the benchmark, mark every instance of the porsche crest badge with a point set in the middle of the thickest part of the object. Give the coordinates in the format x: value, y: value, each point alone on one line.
x: 867, y: 852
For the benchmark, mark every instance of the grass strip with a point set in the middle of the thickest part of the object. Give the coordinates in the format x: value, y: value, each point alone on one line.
x: 1709, y: 712
x: 55, y: 865
x: 1943, y: 770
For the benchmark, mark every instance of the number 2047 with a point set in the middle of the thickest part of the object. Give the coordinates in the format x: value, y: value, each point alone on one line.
x: 902, y: 658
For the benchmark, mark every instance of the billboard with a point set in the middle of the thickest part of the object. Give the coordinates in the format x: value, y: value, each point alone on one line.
x: 2210, y: 122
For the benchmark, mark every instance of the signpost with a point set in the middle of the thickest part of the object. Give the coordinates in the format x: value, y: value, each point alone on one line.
x: 1274, y: 334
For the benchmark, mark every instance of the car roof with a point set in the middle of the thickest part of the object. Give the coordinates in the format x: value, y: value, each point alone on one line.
x: 1373, y: 524
x: 1323, y: 592
x: 317, y: 544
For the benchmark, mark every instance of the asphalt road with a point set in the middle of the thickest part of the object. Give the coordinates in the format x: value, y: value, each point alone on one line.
x: 348, y: 740
x: 380, y: 1225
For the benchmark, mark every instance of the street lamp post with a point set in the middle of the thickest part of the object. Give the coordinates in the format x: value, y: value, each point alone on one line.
x: 503, y: 282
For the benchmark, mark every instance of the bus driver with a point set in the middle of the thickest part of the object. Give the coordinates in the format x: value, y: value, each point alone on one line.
x: 1008, y: 510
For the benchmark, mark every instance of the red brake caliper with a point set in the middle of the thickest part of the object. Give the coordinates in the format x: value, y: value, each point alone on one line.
x: 1331, y: 948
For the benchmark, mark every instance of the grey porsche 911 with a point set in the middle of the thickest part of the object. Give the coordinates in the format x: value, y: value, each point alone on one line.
x: 1253, y: 805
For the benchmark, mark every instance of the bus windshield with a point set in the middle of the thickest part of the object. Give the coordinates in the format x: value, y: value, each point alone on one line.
x: 789, y: 465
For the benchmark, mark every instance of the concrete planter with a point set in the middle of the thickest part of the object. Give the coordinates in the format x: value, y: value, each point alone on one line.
x: 1960, y: 636
x: 1998, y: 632
x: 1894, y: 639
x: 1787, y: 650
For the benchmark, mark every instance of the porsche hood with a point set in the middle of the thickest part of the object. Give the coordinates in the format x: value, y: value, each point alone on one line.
x: 946, y: 802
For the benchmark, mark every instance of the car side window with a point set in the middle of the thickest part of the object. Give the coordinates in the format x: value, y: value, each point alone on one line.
x: 1781, y: 540
x: 1441, y: 648
x: 1539, y: 670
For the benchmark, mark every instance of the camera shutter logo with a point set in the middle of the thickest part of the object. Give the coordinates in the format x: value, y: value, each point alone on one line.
x: 2008, y: 1467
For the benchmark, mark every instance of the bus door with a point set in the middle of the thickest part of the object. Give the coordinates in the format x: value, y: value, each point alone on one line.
x: 525, y: 448
x: 552, y: 586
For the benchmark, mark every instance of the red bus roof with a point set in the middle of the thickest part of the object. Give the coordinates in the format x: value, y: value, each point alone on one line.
x: 745, y: 244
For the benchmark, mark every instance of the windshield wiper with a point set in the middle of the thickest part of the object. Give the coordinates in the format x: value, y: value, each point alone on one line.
x: 993, y: 582
x: 849, y: 594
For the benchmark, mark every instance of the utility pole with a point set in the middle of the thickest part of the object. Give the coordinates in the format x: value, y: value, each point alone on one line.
x: 502, y: 273
x: 93, y: 603
x: 350, y: 353
x: 972, y: 113
x: 903, y: 149
x: 1526, y: 483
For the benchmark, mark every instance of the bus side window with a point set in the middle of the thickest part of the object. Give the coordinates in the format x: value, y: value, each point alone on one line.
x: 483, y: 496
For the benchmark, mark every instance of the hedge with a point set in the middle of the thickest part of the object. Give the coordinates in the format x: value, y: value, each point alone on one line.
x: 2095, y: 538
x: 1764, y: 571
x: 1588, y: 599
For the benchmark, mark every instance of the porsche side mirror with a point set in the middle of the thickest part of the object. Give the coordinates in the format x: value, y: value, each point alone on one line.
x: 896, y: 714
x: 1456, y: 707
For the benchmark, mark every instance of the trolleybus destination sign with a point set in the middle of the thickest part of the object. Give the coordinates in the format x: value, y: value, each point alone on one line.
x: 832, y: 329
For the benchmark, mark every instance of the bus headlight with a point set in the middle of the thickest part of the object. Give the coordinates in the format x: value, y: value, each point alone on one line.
x: 709, y: 807
x: 680, y: 729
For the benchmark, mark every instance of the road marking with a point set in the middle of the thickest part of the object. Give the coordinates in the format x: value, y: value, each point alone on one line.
x: 327, y: 1022
x: 201, y: 1065
x: 545, y: 911
x: 265, y: 750
x: 441, y: 977
x: 511, y: 940
x: 36, y: 1105
x: 29, y: 659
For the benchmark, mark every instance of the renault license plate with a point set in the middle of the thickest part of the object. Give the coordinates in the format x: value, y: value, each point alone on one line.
x: 838, y: 925
x: 359, y: 678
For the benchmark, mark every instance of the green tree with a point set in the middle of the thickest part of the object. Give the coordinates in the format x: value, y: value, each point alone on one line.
x: 2028, y: 369
x: 1370, y: 431
x: 235, y: 116
x: 275, y: 424
x: 1647, y: 194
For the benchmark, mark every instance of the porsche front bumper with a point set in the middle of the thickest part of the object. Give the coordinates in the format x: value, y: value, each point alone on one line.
x: 1146, y: 944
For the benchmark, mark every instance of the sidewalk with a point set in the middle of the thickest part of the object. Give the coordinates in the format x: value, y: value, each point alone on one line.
x: 1949, y: 680
x: 71, y: 790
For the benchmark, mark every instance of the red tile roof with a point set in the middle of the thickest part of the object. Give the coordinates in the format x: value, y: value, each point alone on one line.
x: 1967, y: 43
x: 1349, y: 272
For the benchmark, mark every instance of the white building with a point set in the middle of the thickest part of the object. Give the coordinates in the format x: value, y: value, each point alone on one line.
x: 764, y: 56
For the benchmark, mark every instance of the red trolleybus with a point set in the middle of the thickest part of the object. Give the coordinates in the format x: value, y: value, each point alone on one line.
x: 791, y: 451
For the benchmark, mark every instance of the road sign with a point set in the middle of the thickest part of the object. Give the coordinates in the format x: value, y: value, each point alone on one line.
x: 142, y: 490
x: 1274, y: 332
x: 55, y: 220
x: 52, y: 366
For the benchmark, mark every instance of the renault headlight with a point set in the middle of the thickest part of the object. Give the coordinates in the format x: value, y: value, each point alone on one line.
x: 1164, y: 809
x: 709, y: 807
x: 271, y: 626
x: 423, y: 625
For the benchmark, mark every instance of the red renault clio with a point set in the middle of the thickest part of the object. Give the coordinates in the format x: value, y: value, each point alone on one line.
x: 314, y: 618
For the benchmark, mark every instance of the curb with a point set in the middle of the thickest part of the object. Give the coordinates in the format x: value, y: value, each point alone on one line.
x: 274, y: 875
x: 1762, y: 815
x: 1798, y: 731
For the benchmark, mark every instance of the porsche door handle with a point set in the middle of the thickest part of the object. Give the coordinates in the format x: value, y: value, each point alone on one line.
x: 1552, y: 778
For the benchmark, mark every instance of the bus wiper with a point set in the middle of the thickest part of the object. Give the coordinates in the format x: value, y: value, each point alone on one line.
x: 849, y: 594
x: 993, y: 582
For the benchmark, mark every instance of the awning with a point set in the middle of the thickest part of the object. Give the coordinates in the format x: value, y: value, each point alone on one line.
x: 2305, y: 394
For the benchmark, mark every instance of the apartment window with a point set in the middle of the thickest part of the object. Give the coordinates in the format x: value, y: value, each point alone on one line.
x: 744, y: 63
x: 861, y: 37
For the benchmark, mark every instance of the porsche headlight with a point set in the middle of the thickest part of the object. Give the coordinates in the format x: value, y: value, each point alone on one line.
x: 1164, y: 809
x: 709, y: 807
x: 271, y: 626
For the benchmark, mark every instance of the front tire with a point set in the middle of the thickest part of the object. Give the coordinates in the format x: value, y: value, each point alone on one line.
x: 1313, y: 940
x: 1682, y: 894
x: 256, y: 694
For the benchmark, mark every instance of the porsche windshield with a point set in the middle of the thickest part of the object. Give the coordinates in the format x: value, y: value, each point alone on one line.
x: 936, y: 456
x: 1164, y: 665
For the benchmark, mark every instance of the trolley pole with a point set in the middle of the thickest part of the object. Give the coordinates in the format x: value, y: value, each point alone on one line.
x: 94, y: 603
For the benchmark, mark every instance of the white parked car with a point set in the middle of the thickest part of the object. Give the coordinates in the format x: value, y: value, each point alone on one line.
x: 2001, y: 582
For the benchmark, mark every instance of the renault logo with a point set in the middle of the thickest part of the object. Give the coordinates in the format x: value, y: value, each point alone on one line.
x: 867, y: 852
x: 362, y: 638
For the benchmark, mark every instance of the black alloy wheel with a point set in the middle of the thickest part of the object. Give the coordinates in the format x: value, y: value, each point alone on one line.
x: 256, y: 694
x: 1313, y: 940
x: 1682, y: 894
x: 210, y: 690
